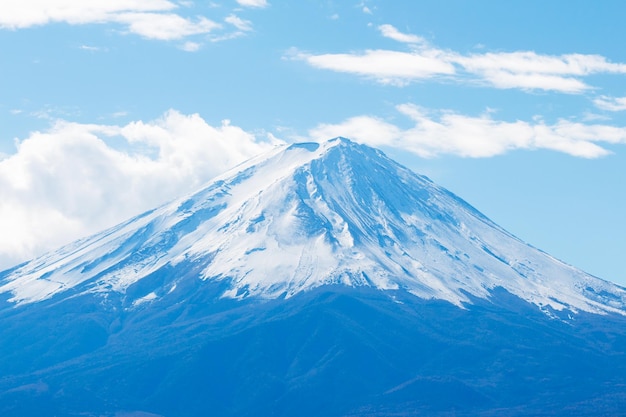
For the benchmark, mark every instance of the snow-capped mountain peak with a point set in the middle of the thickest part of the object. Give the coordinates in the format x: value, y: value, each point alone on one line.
x: 313, y: 214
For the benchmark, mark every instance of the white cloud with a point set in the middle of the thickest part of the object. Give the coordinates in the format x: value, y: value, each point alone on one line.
x: 529, y: 70
x: 532, y: 81
x: 386, y: 67
x: 594, y: 117
x: 367, y: 129
x: 227, y: 36
x: 253, y: 3
x: 191, y: 46
x: 166, y: 26
x: 16, y: 14
x: 241, y: 24
x: 391, y: 32
x: 530, y: 62
x: 71, y: 181
x: 90, y: 48
x: 466, y: 136
x: 525, y: 70
x: 610, y: 103
x: 151, y: 19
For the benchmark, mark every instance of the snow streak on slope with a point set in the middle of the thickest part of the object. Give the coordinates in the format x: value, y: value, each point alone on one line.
x: 312, y: 214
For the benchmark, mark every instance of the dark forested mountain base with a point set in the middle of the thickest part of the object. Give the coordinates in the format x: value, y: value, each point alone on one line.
x: 334, y: 351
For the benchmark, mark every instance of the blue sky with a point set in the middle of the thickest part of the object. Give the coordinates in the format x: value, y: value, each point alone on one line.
x: 112, y: 107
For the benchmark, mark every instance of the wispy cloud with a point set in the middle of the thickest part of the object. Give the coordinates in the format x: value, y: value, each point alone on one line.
x: 364, y: 8
x: 191, y: 46
x: 391, y: 32
x: 241, y: 24
x: 444, y: 132
x: 151, y: 19
x: 610, y: 103
x: 70, y: 180
x: 17, y: 14
x: 529, y: 70
x: 227, y: 36
x: 386, y: 67
x: 526, y: 70
x: 91, y: 48
x: 253, y: 3
x: 166, y: 26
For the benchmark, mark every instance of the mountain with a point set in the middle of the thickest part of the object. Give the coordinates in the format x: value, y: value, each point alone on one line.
x: 310, y: 215
x: 317, y: 279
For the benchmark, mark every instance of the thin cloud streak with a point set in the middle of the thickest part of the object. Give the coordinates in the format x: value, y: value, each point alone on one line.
x: 610, y: 103
x: 253, y: 3
x: 526, y: 70
x: 150, y: 19
x: 388, y: 31
x: 166, y: 27
x: 448, y: 133
x: 241, y: 24
x: 529, y: 70
x: 20, y: 14
x: 386, y: 67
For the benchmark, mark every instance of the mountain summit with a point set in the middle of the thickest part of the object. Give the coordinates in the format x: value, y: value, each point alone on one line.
x: 320, y: 279
x: 308, y: 215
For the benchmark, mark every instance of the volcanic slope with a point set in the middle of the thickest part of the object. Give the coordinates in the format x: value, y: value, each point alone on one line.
x: 320, y: 279
x: 309, y: 215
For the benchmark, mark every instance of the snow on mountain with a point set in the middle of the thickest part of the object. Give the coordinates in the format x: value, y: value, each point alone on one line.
x: 311, y: 214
